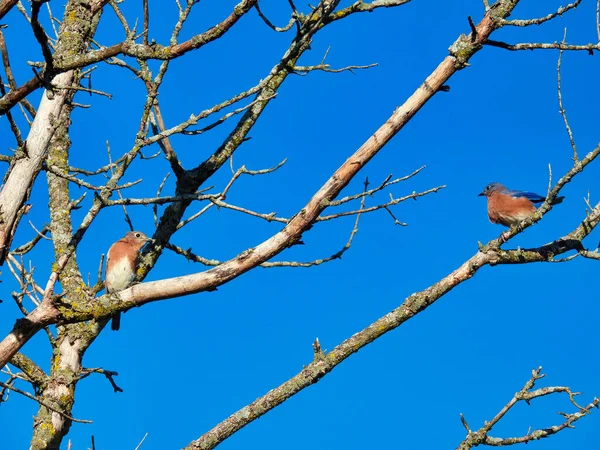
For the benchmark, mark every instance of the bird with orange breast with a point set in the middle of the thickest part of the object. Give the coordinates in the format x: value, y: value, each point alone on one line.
x: 121, y: 265
x: 508, y: 207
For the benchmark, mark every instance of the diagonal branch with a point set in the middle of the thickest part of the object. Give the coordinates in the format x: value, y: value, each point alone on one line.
x: 35, y: 374
x: 6, y: 6
x: 16, y: 95
x: 43, y: 403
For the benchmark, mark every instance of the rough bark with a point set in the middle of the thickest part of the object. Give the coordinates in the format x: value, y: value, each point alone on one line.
x: 6, y: 6
x: 28, y: 164
x: 50, y: 427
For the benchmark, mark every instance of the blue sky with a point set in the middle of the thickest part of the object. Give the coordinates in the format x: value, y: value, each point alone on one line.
x: 188, y: 363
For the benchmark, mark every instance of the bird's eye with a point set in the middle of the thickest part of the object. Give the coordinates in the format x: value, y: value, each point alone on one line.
x: 137, y: 235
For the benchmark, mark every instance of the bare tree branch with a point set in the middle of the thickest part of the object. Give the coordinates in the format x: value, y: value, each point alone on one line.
x: 43, y: 403
x: 159, y: 52
x: 270, y: 25
x: 5, y: 6
x: 24, y: 171
x: 562, y: 111
x: 481, y: 436
x: 544, y: 46
x: 526, y: 23
x: 109, y: 374
x: 33, y: 372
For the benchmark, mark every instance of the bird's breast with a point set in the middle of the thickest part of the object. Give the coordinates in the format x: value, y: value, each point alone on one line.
x: 508, y: 210
x: 119, y: 275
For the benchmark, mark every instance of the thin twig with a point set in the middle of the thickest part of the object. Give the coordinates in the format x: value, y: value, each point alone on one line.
x: 270, y: 24
x: 141, y: 442
x: 541, y: 20
x: 544, y: 46
x: 43, y: 403
x: 562, y: 111
x: 109, y: 374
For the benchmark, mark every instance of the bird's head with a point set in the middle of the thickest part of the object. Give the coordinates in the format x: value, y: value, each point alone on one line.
x: 491, y: 188
x: 136, y: 238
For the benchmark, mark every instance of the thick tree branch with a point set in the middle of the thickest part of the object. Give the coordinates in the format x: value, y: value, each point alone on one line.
x: 24, y: 171
x: 14, y: 96
x: 35, y: 374
x: 6, y: 6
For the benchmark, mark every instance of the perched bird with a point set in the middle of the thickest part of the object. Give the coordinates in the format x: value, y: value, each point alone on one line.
x: 121, y: 264
x: 508, y: 207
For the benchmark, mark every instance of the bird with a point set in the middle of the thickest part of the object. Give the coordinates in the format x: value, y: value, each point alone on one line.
x: 509, y: 208
x: 121, y: 265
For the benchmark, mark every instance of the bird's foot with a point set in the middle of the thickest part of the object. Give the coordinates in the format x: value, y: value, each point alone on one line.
x: 504, y: 236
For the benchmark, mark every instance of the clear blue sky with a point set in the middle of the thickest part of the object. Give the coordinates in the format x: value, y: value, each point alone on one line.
x: 186, y: 364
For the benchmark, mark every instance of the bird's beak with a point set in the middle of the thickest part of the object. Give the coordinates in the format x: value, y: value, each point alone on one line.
x: 481, y: 195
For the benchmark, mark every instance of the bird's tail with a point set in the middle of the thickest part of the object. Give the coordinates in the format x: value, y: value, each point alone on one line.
x: 558, y: 200
x: 116, y: 322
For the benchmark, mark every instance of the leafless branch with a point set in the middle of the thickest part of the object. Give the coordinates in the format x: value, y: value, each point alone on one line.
x: 541, y: 20
x: 195, y: 118
x: 544, y: 46
x: 562, y: 111
x: 481, y: 436
x: 324, y: 67
x: 190, y: 256
x: 362, y: 6
x: 159, y: 200
x: 141, y: 442
x: 56, y: 171
x: 598, y: 19
x: 5, y: 6
x: 40, y: 34
x: 165, y: 144
x: 112, y: 171
x: 32, y: 371
x: 43, y: 403
x: 159, y: 52
x: 303, y: 70
x: 109, y: 374
x: 270, y: 25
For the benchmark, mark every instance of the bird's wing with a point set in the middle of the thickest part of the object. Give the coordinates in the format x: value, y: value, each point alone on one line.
x: 531, y: 196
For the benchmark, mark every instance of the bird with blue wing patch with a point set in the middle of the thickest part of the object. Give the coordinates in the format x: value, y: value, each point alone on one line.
x: 508, y: 207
